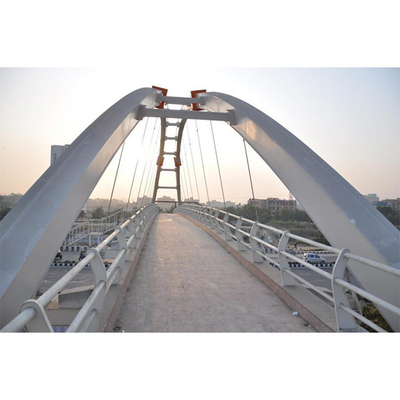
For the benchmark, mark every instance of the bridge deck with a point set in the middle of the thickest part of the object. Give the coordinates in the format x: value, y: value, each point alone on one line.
x: 186, y: 282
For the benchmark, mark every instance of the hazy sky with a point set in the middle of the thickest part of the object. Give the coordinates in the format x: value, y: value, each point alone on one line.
x: 348, y: 116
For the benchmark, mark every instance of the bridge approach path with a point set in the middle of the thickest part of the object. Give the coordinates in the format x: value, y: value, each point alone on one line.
x: 185, y: 281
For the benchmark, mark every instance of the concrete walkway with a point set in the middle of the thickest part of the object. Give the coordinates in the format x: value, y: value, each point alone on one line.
x: 187, y: 282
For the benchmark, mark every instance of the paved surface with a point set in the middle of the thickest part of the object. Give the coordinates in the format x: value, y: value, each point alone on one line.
x: 186, y: 282
x: 84, y: 278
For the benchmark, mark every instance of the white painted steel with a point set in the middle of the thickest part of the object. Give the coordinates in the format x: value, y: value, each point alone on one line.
x: 32, y: 314
x: 42, y: 218
x: 185, y: 114
x: 187, y: 101
x: 339, y: 211
x: 34, y: 229
x: 91, y: 226
x: 344, y: 319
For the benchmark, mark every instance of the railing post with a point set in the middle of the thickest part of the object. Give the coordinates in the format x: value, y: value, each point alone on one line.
x: 100, y: 274
x: 207, y: 219
x: 287, y: 280
x: 345, y: 322
x: 40, y: 322
x: 218, y: 223
x: 122, y: 245
x: 227, y: 229
x: 254, y: 244
x: 138, y: 221
x: 203, y: 218
x: 238, y: 235
x: 194, y: 213
x: 211, y: 219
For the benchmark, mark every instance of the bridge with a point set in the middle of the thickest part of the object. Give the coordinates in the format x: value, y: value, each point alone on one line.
x: 199, y: 269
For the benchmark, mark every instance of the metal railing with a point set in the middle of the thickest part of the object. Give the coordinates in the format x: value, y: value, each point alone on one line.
x: 271, y: 244
x: 100, y: 226
x: 33, y: 317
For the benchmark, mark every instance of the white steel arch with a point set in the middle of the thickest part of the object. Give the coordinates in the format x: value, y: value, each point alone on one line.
x: 33, y: 230
x: 339, y: 211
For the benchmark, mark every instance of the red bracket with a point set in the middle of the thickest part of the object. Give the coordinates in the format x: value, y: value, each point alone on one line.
x: 194, y: 95
x: 164, y: 93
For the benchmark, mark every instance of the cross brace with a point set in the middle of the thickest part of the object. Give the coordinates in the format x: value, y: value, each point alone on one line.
x: 185, y: 114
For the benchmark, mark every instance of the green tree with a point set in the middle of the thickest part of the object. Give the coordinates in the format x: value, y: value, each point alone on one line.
x: 82, y: 215
x: 4, y: 211
x: 391, y: 214
x: 98, y: 213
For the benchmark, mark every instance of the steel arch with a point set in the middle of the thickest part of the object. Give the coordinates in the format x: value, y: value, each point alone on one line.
x: 34, y: 229
x: 43, y: 217
x: 340, y: 212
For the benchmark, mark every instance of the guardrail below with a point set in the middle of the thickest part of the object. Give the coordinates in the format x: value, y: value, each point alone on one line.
x: 32, y: 316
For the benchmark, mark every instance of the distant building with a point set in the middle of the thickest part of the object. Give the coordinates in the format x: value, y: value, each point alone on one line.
x: 372, y: 198
x: 273, y: 204
x: 142, y: 201
x: 395, y: 203
x: 56, y: 151
x: 191, y: 200
x: 166, y: 202
x: 220, y: 204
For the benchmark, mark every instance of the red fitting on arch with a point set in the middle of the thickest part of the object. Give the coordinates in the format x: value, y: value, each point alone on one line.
x: 177, y: 162
x: 164, y: 93
x: 194, y: 94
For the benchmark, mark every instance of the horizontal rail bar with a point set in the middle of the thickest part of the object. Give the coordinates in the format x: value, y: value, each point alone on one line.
x: 52, y: 292
x: 20, y: 320
x: 313, y: 243
x: 106, y: 241
x: 88, y: 320
x: 368, y: 296
x: 373, y: 264
x: 362, y: 319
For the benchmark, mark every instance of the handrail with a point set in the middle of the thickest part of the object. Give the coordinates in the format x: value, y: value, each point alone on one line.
x: 88, y: 317
x: 343, y: 311
x: 101, y: 225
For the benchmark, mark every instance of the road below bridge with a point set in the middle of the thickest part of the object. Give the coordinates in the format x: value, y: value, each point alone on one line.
x: 185, y: 281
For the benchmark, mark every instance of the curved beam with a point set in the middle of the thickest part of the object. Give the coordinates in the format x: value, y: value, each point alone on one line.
x: 33, y: 230
x: 340, y: 212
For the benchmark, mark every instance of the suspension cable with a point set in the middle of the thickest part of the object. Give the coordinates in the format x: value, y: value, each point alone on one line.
x: 147, y: 159
x: 202, y: 162
x: 219, y: 171
x: 251, y: 181
x: 115, y: 179
x: 188, y: 172
x: 137, y: 162
x: 194, y: 169
x: 148, y: 174
x: 185, y: 187
x: 153, y: 172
